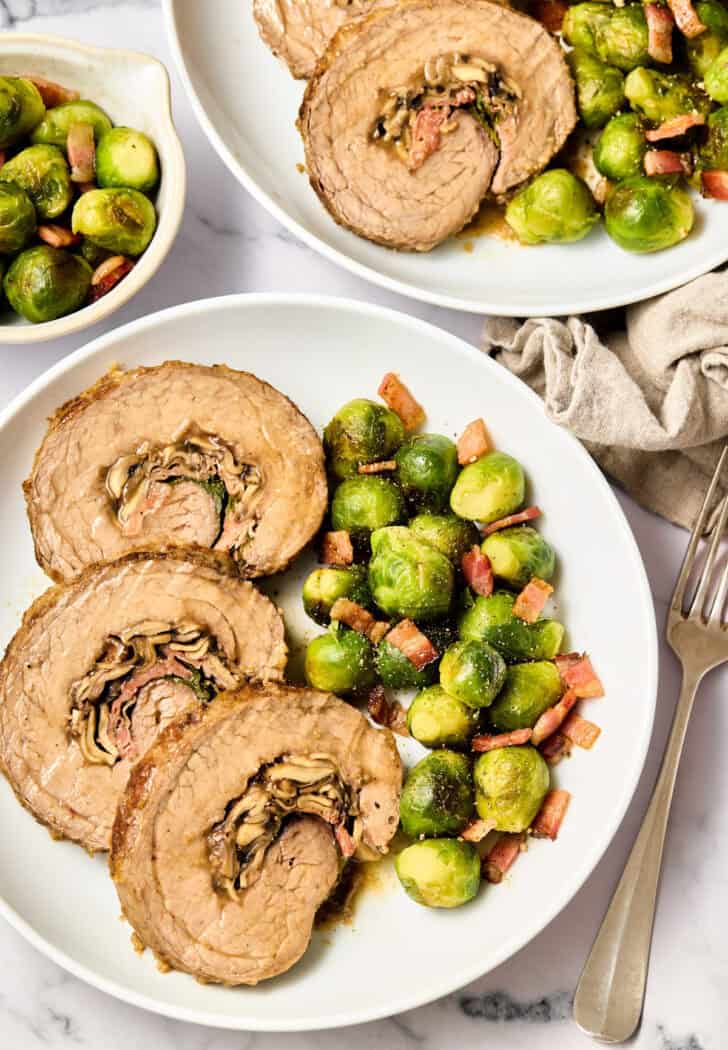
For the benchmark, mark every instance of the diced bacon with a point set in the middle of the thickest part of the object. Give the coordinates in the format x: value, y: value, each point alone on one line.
x: 556, y: 747
x: 336, y: 548
x: 353, y: 615
x: 476, y: 830
x: 551, y: 815
x: 686, y: 17
x: 486, y: 742
x: 416, y: 646
x: 478, y: 571
x: 578, y: 675
x: 3, y: 157
x: 580, y: 731
x: 659, y: 32
x: 503, y: 855
x: 474, y: 442
x: 106, y: 267
x: 715, y: 184
x: 81, y: 152
x: 426, y: 134
x: 397, y: 397
x: 550, y: 13
x: 552, y: 717
x: 57, y: 236
x: 530, y: 602
x: 663, y: 162
x: 345, y: 841
x: 85, y: 187
x: 378, y: 631
x: 386, y: 712
x: 383, y: 467
x: 52, y: 94
x: 671, y: 129
x: 513, y: 519
x: 109, y: 276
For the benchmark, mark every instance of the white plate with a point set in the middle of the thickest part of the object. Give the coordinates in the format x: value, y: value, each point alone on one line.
x: 247, y: 104
x: 397, y: 955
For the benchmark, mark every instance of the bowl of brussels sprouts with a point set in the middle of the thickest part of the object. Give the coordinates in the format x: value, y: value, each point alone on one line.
x: 92, y: 182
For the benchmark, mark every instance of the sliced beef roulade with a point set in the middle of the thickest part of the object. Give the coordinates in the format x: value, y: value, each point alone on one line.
x: 298, y: 31
x: 231, y: 831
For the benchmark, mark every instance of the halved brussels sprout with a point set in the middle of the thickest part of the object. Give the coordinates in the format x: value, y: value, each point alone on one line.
x: 645, y: 214
x: 427, y: 465
x: 659, y: 96
x: 125, y: 157
x: 528, y: 691
x: 510, y: 785
x: 490, y: 488
x: 451, y: 535
x: 396, y: 671
x: 473, y: 672
x: 324, y: 586
x: 21, y: 108
x: 437, y: 797
x: 620, y: 151
x: 407, y: 577
x: 17, y: 218
x: 616, y: 35
x: 599, y: 88
x: 437, y: 719
x: 123, y: 220
x: 365, y: 503
x: 703, y: 49
x: 518, y: 553
x: 439, y: 873
x: 53, y: 130
x: 43, y: 283
x: 713, y: 154
x: 43, y: 173
x: 716, y: 77
x: 583, y: 22
x: 340, y: 661
x: 556, y: 208
x: 491, y: 620
x: 362, y: 431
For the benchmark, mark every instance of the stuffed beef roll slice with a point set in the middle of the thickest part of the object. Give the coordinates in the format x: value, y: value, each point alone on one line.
x: 101, y: 665
x: 298, y: 31
x: 235, y: 825
x: 418, y: 111
x: 176, y: 455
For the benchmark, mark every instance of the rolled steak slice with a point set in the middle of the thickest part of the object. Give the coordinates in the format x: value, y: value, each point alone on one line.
x: 101, y: 665
x: 176, y: 455
x: 298, y: 31
x: 233, y: 827
x: 418, y: 111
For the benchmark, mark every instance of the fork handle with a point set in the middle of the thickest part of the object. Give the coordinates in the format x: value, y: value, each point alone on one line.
x: 611, y: 990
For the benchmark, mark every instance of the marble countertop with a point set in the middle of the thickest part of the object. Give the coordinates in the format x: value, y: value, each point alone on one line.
x: 228, y: 243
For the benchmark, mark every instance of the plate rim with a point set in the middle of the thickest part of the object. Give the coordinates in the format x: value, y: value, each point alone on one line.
x: 571, y: 886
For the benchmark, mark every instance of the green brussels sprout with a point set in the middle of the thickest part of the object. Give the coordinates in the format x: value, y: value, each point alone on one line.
x: 713, y: 155
x: 582, y: 23
x: 123, y: 221
x: 716, y: 78
x: 489, y: 489
x: 340, y: 661
x: 485, y: 613
x: 437, y: 797
x: 620, y: 151
x: 43, y: 173
x: 43, y: 283
x: 473, y: 672
x: 396, y: 671
x: 407, y: 577
x: 439, y: 873
x: 528, y: 691
x: 645, y: 214
x: 518, y: 553
x: 125, y: 157
x: 21, y: 108
x: 427, y: 465
x: 659, y: 96
x: 623, y: 38
x: 17, y: 218
x: 53, y: 130
x: 491, y: 620
x: 437, y: 719
x: 324, y: 586
x: 91, y: 252
x: 510, y: 785
x: 703, y: 50
x: 556, y: 208
x: 599, y: 88
x: 362, y: 504
x: 451, y: 535
x: 361, y: 432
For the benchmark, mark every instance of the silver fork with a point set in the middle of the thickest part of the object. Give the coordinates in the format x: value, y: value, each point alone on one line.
x: 611, y: 990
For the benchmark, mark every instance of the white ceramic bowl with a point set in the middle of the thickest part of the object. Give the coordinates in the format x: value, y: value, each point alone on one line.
x: 134, y: 90
x: 396, y: 955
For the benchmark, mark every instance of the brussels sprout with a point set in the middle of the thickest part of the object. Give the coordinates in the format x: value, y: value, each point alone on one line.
x: 645, y: 214
x: 125, y: 157
x: 340, y: 661
x: 518, y: 553
x: 361, y: 432
x: 121, y: 220
x: 437, y: 797
x: 510, y: 785
x: 485, y: 613
x: 599, y: 88
x: 622, y: 39
x: 659, y: 96
x: 324, y: 586
x: 427, y: 466
x: 529, y: 690
x: 91, y: 252
x: 555, y: 208
x: 396, y: 671
x: 473, y: 672
x: 365, y: 503
x: 716, y: 78
x: 408, y: 577
x: 620, y: 151
x: 439, y: 873
x: 702, y: 50
x: 491, y: 620
x: 21, y: 108
x: 53, y: 130
x: 43, y: 173
x: 713, y: 154
x: 437, y: 719
x: 43, y: 283
x: 583, y: 22
x: 17, y: 218
x: 451, y: 535
x: 488, y: 489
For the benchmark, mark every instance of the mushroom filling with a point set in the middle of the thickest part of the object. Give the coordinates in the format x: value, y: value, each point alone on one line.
x: 137, y: 484
x: 413, y: 119
x: 295, y: 784
x: 104, y: 701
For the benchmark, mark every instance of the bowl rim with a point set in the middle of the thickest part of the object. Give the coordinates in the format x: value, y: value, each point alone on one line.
x: 358, y: 309
x: 174, y: 172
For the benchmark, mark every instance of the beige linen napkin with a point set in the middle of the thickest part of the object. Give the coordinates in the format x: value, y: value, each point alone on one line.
x: 650, y: 403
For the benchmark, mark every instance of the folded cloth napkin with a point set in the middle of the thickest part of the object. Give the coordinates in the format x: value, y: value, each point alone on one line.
x: 649, y: 401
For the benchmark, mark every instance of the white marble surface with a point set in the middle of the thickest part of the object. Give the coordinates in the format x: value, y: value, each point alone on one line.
x: 228, y: 243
